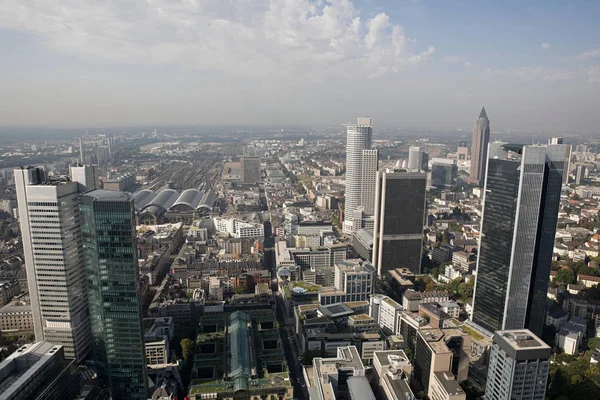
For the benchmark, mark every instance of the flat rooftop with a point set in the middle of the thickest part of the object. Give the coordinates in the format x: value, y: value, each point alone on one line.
x: 522, y: 344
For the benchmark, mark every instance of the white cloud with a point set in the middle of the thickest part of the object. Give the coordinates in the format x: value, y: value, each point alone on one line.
x: 452, y: 59
x: 529, y: 74
x: 545, y: 46
x: 468, y: 64
x: 242, y: 38
x: 586, y: 55
x: 593, y: 73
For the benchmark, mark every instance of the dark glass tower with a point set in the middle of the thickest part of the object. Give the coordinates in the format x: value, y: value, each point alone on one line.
x: 109, y: 246
x: 399, y: 220
x: 520, y: 211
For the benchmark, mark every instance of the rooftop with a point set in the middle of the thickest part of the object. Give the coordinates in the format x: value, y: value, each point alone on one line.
x: 107, y: 195
x: 522, y: 344
x: 449, y: 383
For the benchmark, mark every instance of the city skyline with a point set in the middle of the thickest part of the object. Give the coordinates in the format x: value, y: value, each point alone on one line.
x: 177, y: 63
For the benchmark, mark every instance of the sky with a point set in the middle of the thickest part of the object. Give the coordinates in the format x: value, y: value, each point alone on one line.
x: 419, y: 64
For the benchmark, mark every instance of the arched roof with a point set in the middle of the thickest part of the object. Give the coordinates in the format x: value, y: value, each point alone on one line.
x: 208, y: 200
x: 239, y: 361
x: 188, y: 200
x: 142, y: 198
x: 161, y: 202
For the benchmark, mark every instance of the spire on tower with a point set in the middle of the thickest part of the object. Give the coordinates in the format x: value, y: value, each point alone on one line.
x: 483, y: 114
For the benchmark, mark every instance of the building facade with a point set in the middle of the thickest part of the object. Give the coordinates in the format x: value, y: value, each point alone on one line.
x: 398, y: 231
x: 109, y: 242
x: 519, y: 366
x: 370, y: 164
x: 520, y: 212
x: 51, y: 233
x: 479, y: 148
x: 250, y: 169
x: 359, y: 138
x: 415, y: 159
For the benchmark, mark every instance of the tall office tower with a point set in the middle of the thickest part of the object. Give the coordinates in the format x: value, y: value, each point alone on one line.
x: 479, y: 148
x: 250, y: 169
x: 444, y: 173
x: 519, y: 366
x: 370, y: 164
x: 580, y: 174
x: 80, y: 151
x: 399, y: 220
x: 424, y: 162
x: 110, y: 253
x: 560, y: 140
x: 415, y: 159
x: 50, y: 229
x: 102, y: 155
x: 86, y: 177
x: 359, y: 138
x: 520, y: 211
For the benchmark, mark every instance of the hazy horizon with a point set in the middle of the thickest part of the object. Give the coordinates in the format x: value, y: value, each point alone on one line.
x: 410, y: 64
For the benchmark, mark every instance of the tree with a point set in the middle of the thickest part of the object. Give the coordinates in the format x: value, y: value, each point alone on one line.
x: 430, y: 286
x: 187, y: 349
x: 465, y: 290
x: 565, y: 276
x: 239, y: 290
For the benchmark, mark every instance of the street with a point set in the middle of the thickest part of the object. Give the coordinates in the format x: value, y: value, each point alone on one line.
x: 291, y: 353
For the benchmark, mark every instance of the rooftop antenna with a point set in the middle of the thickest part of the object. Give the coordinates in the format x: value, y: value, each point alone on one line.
x: 80, y: 151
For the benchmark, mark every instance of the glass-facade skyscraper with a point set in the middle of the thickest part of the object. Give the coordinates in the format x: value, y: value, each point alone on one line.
x: 109, y: 245
x: 520, y: 212
x: 400, y: 199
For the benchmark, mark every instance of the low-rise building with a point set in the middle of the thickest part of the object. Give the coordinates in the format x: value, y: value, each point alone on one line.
x: 393, y: 370
x: 156, y: 340
x: 325, y: 328
x: 463, y: 261
x: 451, y: 308
x: 331, y: 375
x: 252, y: 348
x: 8, y: 290
x: 16, y: 317
x: 38, y: 371
x: 440, y: 350
x: 385, y: 311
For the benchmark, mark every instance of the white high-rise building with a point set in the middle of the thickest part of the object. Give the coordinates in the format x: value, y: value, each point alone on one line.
x: 359, y: 139
x: 86, y: 177
x: 415, y: 159
x: 519, y: 366
x: 51, y: 232
x: 370, y: 164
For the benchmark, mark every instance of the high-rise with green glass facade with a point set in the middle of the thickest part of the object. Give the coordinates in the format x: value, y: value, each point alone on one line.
x: 109, y: 245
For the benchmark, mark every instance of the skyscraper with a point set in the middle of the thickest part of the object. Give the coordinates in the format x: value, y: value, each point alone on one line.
x: 359, y: 138
x: 399, y: 220
x: 109, y: 244
x: 370, y: 164
x: 86, y: 177
x: 520, y: 211
x: 415, y: 159
x: 519, y: 366
x: 50, y: 229
x: 479, y: 148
